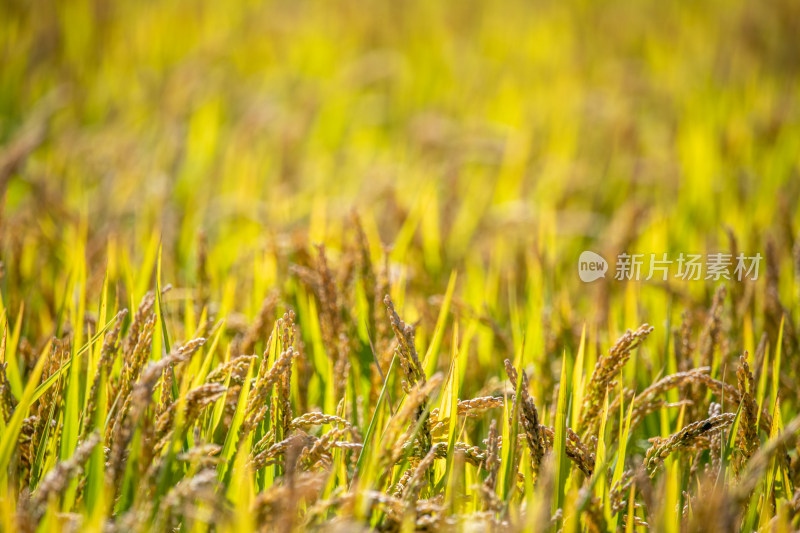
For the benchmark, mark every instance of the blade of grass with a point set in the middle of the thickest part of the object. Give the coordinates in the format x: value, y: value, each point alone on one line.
x: 8, y: 441
x: 431, y: 360
x: 46, y: 384
x: 559, y: 440
x: 166, y: 344
x: 10, y: 354
x: 232, y: 437
x: 453, y: 384
x: 366, y: 449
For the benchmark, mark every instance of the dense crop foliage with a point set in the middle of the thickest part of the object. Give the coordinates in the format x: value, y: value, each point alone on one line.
x: 314, y: 265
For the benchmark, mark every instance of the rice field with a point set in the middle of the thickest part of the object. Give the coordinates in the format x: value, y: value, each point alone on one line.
x: 419, y: 266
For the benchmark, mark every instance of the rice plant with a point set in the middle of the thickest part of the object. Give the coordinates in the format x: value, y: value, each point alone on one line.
x: 318, y: 266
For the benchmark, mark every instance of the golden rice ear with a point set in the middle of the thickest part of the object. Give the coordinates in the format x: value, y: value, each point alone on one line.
x: 404, y: 334
x: 747, y: 441
x: 712, y: 330
x: 411, y: 490
x: 606, y: 370
x: 491, y: 501
x: 108, y: 354
x: 259, y: 329
x: 7, y: 400
x: 258, y: 401
x: 56, y: 481
x: 691, y: 436
x: 529, y: 416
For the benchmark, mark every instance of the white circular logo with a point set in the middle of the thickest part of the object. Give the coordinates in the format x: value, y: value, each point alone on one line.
x: 591, y: 266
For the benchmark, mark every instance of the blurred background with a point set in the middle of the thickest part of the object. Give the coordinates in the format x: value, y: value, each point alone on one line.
x: 496, y: 139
